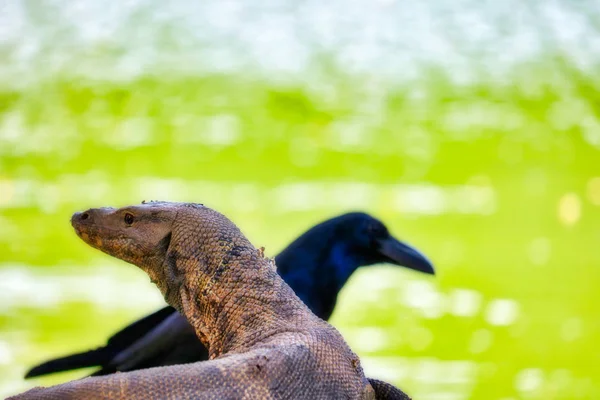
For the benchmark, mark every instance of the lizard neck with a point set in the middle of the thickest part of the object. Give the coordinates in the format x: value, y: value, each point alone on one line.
x: 238, y: 301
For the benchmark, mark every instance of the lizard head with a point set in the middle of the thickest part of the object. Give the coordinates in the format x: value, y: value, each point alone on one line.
x: 164, y: 239
x: 138, y: 234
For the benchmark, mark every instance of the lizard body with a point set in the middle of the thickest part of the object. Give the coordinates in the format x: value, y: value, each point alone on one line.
x: 316, y: 266
x: 263, y: 341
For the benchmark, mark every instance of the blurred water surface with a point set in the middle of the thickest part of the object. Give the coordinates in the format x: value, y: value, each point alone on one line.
x: 471, y: 128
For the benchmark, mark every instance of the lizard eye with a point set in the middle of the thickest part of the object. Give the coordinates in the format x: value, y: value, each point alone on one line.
x: 128, y: 219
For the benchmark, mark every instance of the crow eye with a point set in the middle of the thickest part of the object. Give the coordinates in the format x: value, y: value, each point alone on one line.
x: 128, y: 219
x: 376, y: 230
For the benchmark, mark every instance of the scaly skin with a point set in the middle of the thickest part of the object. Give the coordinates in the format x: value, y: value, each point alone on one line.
x: 263, y: 341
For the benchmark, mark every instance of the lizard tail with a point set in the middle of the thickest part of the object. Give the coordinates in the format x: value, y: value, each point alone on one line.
x: 92, y: 358
x: 386, y: 391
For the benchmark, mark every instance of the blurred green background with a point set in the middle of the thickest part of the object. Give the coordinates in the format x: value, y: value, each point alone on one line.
x: 470, y: 128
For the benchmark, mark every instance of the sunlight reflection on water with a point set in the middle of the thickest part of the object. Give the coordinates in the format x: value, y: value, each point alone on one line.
x: 233, y: 35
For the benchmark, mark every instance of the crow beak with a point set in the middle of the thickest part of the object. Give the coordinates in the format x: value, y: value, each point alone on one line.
x: 404, y: 255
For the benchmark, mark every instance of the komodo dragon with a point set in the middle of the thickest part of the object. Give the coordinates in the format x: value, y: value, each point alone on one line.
x: 263, y: 341
x: 316, y: 266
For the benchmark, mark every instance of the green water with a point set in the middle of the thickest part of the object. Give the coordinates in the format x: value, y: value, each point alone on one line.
x: 498, y: 182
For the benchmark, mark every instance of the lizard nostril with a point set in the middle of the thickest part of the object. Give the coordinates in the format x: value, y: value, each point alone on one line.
x: 84, y: 216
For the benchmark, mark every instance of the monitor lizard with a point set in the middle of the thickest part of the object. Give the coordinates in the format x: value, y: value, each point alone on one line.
x: 263, y: 341
x: 316, y: 265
